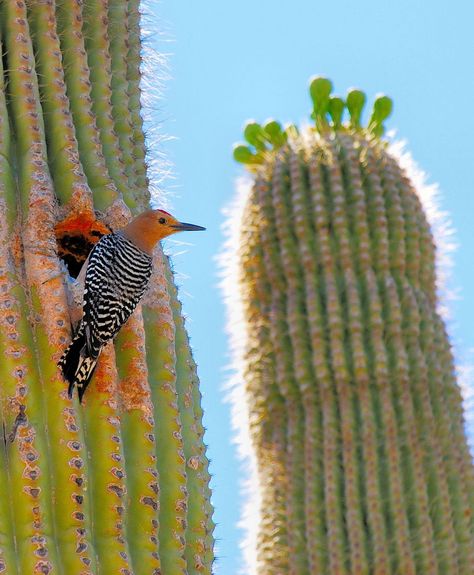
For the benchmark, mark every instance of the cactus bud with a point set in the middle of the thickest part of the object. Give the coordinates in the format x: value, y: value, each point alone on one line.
x: 355, y: 102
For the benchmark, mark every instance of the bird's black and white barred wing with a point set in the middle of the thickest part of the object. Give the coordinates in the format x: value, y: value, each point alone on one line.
x: 116, y: 278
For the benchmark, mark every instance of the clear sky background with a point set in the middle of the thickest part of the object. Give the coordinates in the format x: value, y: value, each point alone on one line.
x: 234, y: 60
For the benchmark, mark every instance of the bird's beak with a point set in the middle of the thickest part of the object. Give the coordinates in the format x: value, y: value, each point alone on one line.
x: 183, y: 227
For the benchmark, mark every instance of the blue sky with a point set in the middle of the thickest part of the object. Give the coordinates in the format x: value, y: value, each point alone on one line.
x: 231, y: 61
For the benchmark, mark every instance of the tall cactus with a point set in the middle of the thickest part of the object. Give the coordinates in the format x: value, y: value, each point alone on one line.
x: 355, y: 416
x: 119, y: 485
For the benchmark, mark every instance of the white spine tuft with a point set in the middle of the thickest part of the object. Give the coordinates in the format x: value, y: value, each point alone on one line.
x: 444, y: 237
x: 229, y: 273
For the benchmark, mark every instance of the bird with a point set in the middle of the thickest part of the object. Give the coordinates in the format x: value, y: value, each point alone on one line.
x: 117, y: 273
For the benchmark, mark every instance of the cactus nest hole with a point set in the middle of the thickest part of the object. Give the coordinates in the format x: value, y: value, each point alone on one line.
x: 76, y: 236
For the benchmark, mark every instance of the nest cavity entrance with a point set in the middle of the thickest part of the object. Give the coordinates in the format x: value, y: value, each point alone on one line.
x: 76, y: 236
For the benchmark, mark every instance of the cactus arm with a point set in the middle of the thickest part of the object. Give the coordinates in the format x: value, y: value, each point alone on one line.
x: 350, y: 245
x: 97, y: 44
x: 76, y: 74
x: 159, y: 333
x: 63, y: 154
x: 139, y: 447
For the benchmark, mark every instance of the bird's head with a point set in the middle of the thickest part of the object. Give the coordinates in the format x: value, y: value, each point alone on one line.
x: 151, y: 226
x: 166, y: 224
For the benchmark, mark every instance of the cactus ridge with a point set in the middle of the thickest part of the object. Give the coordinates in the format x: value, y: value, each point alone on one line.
x: 354, y: 411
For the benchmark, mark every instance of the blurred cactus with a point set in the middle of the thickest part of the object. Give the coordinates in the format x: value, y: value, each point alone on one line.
x: 355, y: 415
x: 121, y: 484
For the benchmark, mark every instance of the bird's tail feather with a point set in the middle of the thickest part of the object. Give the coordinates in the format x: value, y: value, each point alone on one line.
x: 77, y: 366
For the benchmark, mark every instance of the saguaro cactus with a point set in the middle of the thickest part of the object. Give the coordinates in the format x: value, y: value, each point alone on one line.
x: 355, y: 416
x: 120, y: 484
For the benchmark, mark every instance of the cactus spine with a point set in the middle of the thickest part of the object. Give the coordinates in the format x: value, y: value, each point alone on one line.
x: 355, y: 415
x: 87, y: 490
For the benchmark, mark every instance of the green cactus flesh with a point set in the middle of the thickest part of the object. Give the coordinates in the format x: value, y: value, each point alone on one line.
x: 119, y: 485
x: 355, y: 414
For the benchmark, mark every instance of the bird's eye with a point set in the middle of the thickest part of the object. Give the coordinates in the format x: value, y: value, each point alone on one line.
x: 162, y: 221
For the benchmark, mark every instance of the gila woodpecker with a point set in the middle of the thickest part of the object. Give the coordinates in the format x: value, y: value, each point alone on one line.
x: 118, y: 270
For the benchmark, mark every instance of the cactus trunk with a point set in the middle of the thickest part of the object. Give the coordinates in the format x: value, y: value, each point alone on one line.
x: 355, y: 414
x: 120, y: 484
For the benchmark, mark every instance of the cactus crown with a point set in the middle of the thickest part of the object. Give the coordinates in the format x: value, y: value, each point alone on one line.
x: 328, y: 115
